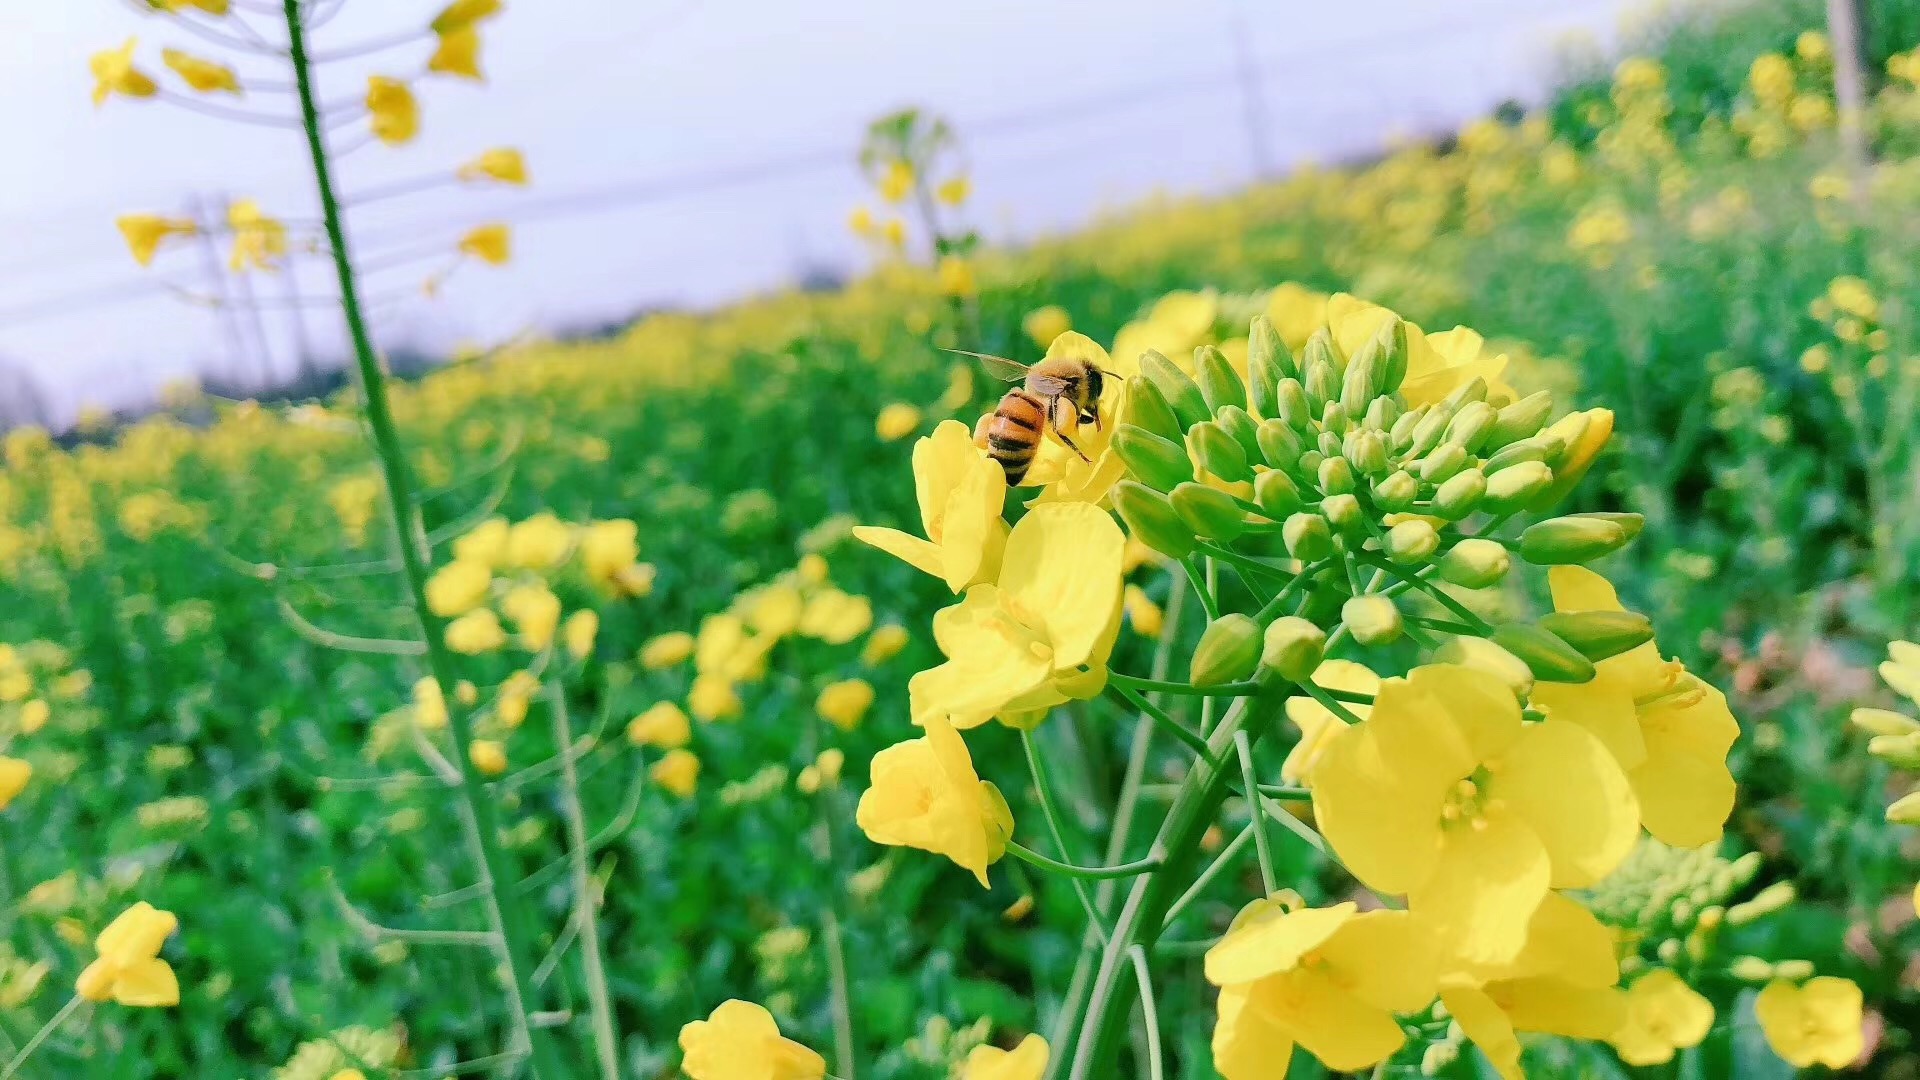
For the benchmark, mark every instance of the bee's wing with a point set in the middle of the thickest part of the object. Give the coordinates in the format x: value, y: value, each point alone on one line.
x: 997, y: 366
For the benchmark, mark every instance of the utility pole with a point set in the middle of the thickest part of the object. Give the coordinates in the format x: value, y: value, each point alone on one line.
x: 1849, y: 91
x: 216, y: 273
x: 261, y: 370
x: 1253, y: 108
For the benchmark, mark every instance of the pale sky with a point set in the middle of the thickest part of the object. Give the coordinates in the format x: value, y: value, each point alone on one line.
x: 1065, y: 107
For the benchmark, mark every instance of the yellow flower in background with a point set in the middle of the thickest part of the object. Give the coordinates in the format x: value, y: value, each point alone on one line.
x: 1296, y: 312
x: 1811, y: 112
x: 458, y: 54
x: 1818, y: 1023
x: 1444, y: 796
x: 211, y: 7
x: 955, y: 275
x: 925, y: 795
x: 491, y: 244
x: 961, y: 492
x: 1038, y: 637
x: 503, y: 165
x: 1812, y: 46
x: 1143, y: 614
x: 1027, y: 1061
x: 896, y: 183
x: 959, y: 389
x: 392, y: 113
x: 461, y: 14
x: 835, y: 617
x: 1176, y: 324
x: 678, y: 771
x: 843, y: 704
x: 1317, y: 723
x: 1664, y: 1015
x: 540, y: 542
x: 535, y: 612
x: 1771, y: 79
x: 581, y: 628
x: 485, y: 543
x: 884, y: 644
x: 741, y: 1041
x: 203, y: 76
x: 114, y: 73
x: 893, y: 232
x: 666, y: 650
x: 713, y: 697
x: 896, y: 421
x: 860, y: 221
x: 458, y: 587
x: 127, y: 967
x: 824, y: 772
x: 488, y: 756
x: 1669, y: 730
x: 955, y: 191
x: 1043, y: 324
x: 429, y: 704
x: 33, y: 716
x: 1853, y: 296
x: 14, y: 776
x: 476, y: 632
x: 664, y: 725
x: 259, y: 241
x: 1328, y: 980
x: 146, y: 232
x: 1437, y: 364
x: 609, y: 548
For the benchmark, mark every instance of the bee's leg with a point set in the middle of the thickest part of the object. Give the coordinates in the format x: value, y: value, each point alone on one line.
x: 1065, y: 420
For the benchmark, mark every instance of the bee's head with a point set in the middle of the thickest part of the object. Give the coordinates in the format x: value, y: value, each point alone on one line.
x: 1096, y: 385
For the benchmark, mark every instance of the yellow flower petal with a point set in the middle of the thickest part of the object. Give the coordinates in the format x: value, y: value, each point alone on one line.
x: 1266, y: 938
x: 147, y: 984
x: 1248, y: 1043
x: 1485, y: 1023
x: 1385, y: 827
x: 1061, y: 572
x: 1571, y: 794
x: 1344, y: 1032
x: 1491, y: 877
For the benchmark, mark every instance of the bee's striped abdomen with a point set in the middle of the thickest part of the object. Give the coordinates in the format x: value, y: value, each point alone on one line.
x: 1013, y: 433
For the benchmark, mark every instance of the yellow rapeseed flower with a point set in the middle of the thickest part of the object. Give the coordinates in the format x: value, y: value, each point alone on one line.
x: 835, y: 616
x: 1664, y: 1015
x: 476, y: 632
x: 429, y: 704
x: 741, y: 1041
x: 458, y: 587
x: 535, y: 612
x: 1143, y: 614
x: 1296, y: 312
x: 114, y: 73
x: 127, y: 967
x: 896, y: 183
x: 666, y: 650
x: 1818, y: 1023
x: 664, y: 725
x: 485, y: 543
x: 955, y: 191
x: 541, y: 542
x: 458, y: 54
x: 34, y: 716
x: 678, y: 771
x: 392, y: 113
x: 1437, y: 364
x: 609, y: 548
x: 713, y: 697
x: 203, y: 76
x: 259, y: 241
x: 843, y: 704
x: 884, y: 644
x: 1043, y: 324
x: 503, y: 165
x: 1442, y: 794
x: 488, y: 756
x: 1027, y: 1061
x: 14, y: 776
x: 1041, y: 634
x: 1067, y: 476
x: 1316, y: 722
x: 491, y: 244
x: 896, y: 421
x: 956, y: 277
x: 961, y: 492
x: 925, y: 794
x: 860, y: 221
x: 146, y: 232
x: 212, y: 7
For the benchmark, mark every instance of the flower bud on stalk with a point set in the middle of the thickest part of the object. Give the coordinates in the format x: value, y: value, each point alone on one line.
x: 1336, y: 476
x: 1307, y: 537
x: 1460, y: 495
x: 1401, y: 433
x: 1292, y: 648
x: 1279, y: 445
x: 1436, y: 467
x: 1367, y: 449
x: 1268, y: 361
x: 1509, y: 489
x: 1520, y: 420
x: 1229, y: 651
x: 1396, y: 492
x: 1515, y: 453
x: 1906, y: 809
x: 1470, y: 425
x: 1180, y: 391
x: 1373, y: 619
x: 1276, y: 493
x: 1549, y: 658
x: 1474, y: 563
x: 1382, y: 414
x: 1884, y: 722
x: 1793, y: 970
x: 1328, y: 443
x: 1150, y: 517
x: 1218, y: 453
x: 1208, y: 511
x: 1900, y: 751
x: 1598, y: 635
x: 1484, y: 655
x: 1411, y: 542
x: 1568, y: 541
x: 1343, y: 512
x: 1582, y: 448
x: 1294, y: 409
x: 1751, y: 969
x: 1245, y: 430
x: 1322, y: 378
x: 1147, y: 408
x: 1154, y: 461
x: 1765, y: 902
x: 1220, y: 385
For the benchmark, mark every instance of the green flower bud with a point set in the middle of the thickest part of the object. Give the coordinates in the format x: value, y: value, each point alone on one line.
x: 1470, y: 425
x: 1426, y: 432
x: 1884, y: 722
x: 1438, y: 1058
x: 1549, y: 658
x: 1411, y: 542
x: 1517, y: 452
x: 1900, y: 751
x: 1460, y: 495
x: 1307, y: 537
x: 1228, y: 651
x: 1219, y: 383
x: 1276, y: 493
x: 1396, y: 492
x: 1359, y: 385
x: 1309, y: 463
x: 1474, y: 563
x: 1322, y: 381
x: 1245, y: 430
x: 1442, y: 463
x: 1474, y: 389
x: 1217, y: 452
x: 1906, y: 809
x: 1571, y: 541
x: 1765, y: 902
x: 1342, y: 512
x: 1294, y: 408
x: 1631, y: 523
x: 1751, y: 969
x: 1156, y: 462
x: 1382, y: 413
x: 1793, y: 970
x: 1401, y: 433
x: 1579, y: 456
x: 1598, y: 635
x: 1151, y: 519
x: 1336, y: 476
x: 1293, y: 648
x: 1511, y: 487
x: 1180, y: 391
x: 1483, y: 655
x: 1521, y: 419
x: 1669, y: 952
x: 1373, y: 619
x: 1147, y: 408
x: 1367, y: 449
x: 1328, y: 443
x: 1267, y: 353
x: 1278, y: 444
x: 1208, y: 511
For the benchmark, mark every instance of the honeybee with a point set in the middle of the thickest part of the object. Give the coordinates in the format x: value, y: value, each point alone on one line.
x: 1056, y: 395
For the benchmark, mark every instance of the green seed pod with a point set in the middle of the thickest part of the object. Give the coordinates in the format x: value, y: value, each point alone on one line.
x: 1396, y: 492
x: 1521, y: 419
x: 1276, y: 493
x: 1342, y: 512
x: 1217, y: 452
x: 1570, y: 541
x: 1906, y: 809
x: 1151, y: 519
x: 1373, y: 619
x: 1293, y: 406
x: 1208, y: 511
x: 1307, y: 536
x: 1367, y: 449
x: 1147, y: 408
x: 1245, y: 430
x: 1511, y: 487
x: 1598, y: 635
x: 1322, y: 381
x: 1278, y: 444
x: 1292, y: 648
x: 1884, y: 722
x: 1900, y: 751
x: 1328, y: 444
x: 1411, y: 542
x: 1156, y: 462
x: 1219, y: 383
x: 1549, y: 658
x: 1181, y: 392
x: 1460, y: 495
x: 1442, y: 463
x: 1483, y: 655
x: 1229, y: 651
x: 1336, y: 476
x: 1382, y: 414
x: 1335, y: 418
x: 1534, y: 449
x: 1401, y: 434
x: 1474, y: 563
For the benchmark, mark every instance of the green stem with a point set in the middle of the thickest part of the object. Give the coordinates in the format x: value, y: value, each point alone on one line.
x: 1332, y: 703
x: 1432, y: 589
x: 1174, y: 727
x: 1254, y: 811
x: 480, y: 816
x: 1043, y: 790
x: 1167, y: 686
x: 39, y: 1037
x: 1207, y: 601
x: 1156, y: 1067
x: 585, y: 892
x: 1132, y: 869
x: 1220, y: 863
x: 1244, y: 562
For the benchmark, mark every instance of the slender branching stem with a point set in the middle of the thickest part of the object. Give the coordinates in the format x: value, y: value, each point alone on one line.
x: 1043, y: 790
x: 1244, y: 748
x: 39, y: 1037
x: 586, y: 892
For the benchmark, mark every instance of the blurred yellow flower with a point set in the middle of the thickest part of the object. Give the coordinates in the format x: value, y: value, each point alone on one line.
x: 609, y: 548
x: 1811, y: 112
x: 458, y: 54
x: 894, y: 232
x: 461, y: 14
x: 485, y: 543
x: 535, y: 612
x: 955, y: 274
x: 1143, y: 614
x: 896, y: 183
x: 488, y: 756
x: 961, y: 492
x: 259, y: 241
x: 861, y: 222
x: 835, y: 617
x: 127, y: 967
x: 203, y: 76
x: 1043, y: 324
x: 211, y: 7
x: 740, y: 1041
x: 14, y: 775
x: 896, y: 421
x: 476, y: 632
x: 664, y: 725
x: 1771, y: 79
x: 392, y: 113
x: 925, y: 794
x: 844, y: 703
x: 884, y: 644
x: 491, y: 244
x: 1818, y: 1023
x: 503, y: 165
x: 666, y: 650
x: 1664, y: 1015
x: 1296, y: 312
x: 582, y: 627
x: 33, y: 717
x: 955, y: 191
x: 429, y: 704
x: 713, y: 697
x: 114, y: 73
x: 1027, y: 1061
x: 540, y: 542
x: 458, y: 587
x: 146, y: 232
x: 678, y: 771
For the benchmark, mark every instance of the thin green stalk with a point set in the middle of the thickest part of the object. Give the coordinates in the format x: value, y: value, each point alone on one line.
x: 606, y: 1042
x: 1244, y: 748
x: 1033, y: 858
x: 1044, y: 791
x: 842, y: 997
x: 1244, y: 562
x: 479, y: 815
x: 41, y: 1036
x: 1166, y: 686
x: 1220, y: 863
x: 1147, y: 709
x: 1331, y: 701
x: 1207, y: 600
x: 1156, y: 1065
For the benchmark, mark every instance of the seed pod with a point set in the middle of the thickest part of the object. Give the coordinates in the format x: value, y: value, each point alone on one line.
x: 1342, y: 512
x: 1156, y: 462
x: 1292, y: 648
x: 1367, y: 449
x: 1598, y: 635
x: 1511, y: 487
x: 1307, y: 536
x: 1208, y: 511
x: 1276, y: 493
x: 1219, y: 383
x: 1147, y: 408
x: 1521, y: 419
x: 1217, y: 453
x: 1278, y: 444
x: 1293, y: 406
x: 1373, y: 619
x: 1884, y: 722
x: 1549, y: 658
x: 1411, y: 542
x: 1151, y: 519
x: 1322, y: 381
x: 1469, y: 426
x: 1336, y: 476
x: 1181, y: 392
x: 1396, y: 492
x: 1460, y: 495
x: 1568, y: 541
x: 1483, y: 655
x: 1229, y: 651
x: 1579, y: 457
x: 1900, y: 751
x: 1245, y: 430
x: 1442, y: 463
x: 1474, y: 563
